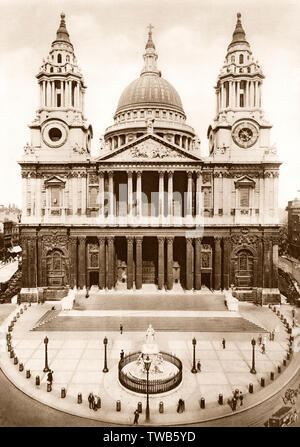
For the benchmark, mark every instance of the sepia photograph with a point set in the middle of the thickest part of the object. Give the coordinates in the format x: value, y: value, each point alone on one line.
x: 149, y: 216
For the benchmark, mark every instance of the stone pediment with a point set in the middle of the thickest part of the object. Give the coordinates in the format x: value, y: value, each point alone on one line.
x: 54, y: 181
x: 245, y: 181
x: 150, y: 148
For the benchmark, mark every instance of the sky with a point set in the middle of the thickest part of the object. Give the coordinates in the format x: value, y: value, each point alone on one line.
x: 109, y: 36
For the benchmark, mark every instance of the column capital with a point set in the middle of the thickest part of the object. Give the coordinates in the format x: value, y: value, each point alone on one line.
x: 218, y: 239
x: 110, y: 174
x: 81, y: 239
x: 189, y: 174
x: 101, y: 174
x: 73, y: 240
x: 161, y: 239
x: 101, y: 239
x: 198, y: 241
x: 189, y: 240
x: 130, y: 240
x: 139, y: 173
x: 198, y: 174
x: 161, y: 173
x: 110, y: 239
x: 138, y: 240
x: 170, y: 174
x: 170, y: 240
x: 129, y: 173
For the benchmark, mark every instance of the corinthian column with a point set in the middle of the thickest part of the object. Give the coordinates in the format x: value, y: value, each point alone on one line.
x: 170, y: 263
x: 139, y: 262
x: 111, y: 263
x: 161, y: 262
x: 189, y: 194
x: 82, y: 261
x: 139, y: 193
x: 170, y: 195
x: 161, y: 196
x: 217, y: 263
x: 198, y: 263
x: 129, y: 195
x: 130, y: 241
x: 189, y: 263
x: 110, y: 194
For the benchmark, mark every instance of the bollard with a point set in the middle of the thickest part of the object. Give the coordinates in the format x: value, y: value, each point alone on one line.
x: 272, y: 375
x: 220, y: 400
x: 12, y: 354
x: 18, y: 315
x: 262, y: 382
x: 10, y: 328
x: 98, y: 402
x: 9, y: 347
x: 279, y: 369
x: 25, y: 307
x: 139, y: 407
x: 49, y: 387
x: 291, y: 350
x: 284, y: 321
x: 63, y: 393
x: 251, y: 390
x: 21, y: 311
x: 28, y: 375
x: 289, y: 330
x: 16, y: 361
x: 161, y: 407
x: 21, y: 367
x: 284, y: 362
x: 79, y: 398
x: 118, y: 405
x: 37, y: 381
x: 291, y: 339
x: 278, y: 313
x: 14, y: 319
x: 202, y: 402
x: 288, y: 356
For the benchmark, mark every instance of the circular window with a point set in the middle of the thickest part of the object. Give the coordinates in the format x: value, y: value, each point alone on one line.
x: 55, y: 134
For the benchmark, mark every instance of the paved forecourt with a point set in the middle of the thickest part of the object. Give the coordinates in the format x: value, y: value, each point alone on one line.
x: 77, y: 359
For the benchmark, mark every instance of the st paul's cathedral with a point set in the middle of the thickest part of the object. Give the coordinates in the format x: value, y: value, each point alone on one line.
x: 149, y: 208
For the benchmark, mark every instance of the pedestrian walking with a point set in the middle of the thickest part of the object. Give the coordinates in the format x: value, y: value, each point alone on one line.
x: 199, y: 366
x: 294, y: 324
x: 91, y: 400
x: 273, y: 334
x: 121, y: 329
x: 259, y: 339
x: 234, y: 402
x: 236, y: 393
x: 293, y: 313
x: 180, y: 406
x: 224, y: 343
x: 263, y: 348
x: 136, y: 417
x: 241, y: 398
x: 95, y: 403
x: 121, y: 354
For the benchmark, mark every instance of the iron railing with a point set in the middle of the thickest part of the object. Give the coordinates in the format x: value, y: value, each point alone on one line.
x: 156, y: 386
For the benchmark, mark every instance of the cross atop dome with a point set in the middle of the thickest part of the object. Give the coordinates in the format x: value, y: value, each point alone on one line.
x: 150, y: 43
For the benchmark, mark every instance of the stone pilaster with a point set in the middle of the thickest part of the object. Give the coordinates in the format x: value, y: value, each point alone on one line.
x: 198, y: 263
x: 130, y: 241
x: 111, y: 263
x: 82, y: 262
x: 189, y: 263
x: 25, y: 279
x: 161, y: 262
x: 139, y: 262
x: 102, y: 262
x: 189, y: 193
x: 170, y: 263
x: 267, y: 269
x: 32, y: 262
x: 217, y: 263
x: 226, y: 262
x: 73, y: 261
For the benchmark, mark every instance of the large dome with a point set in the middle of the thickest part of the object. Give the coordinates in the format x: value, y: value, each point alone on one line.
x: 150, y: 90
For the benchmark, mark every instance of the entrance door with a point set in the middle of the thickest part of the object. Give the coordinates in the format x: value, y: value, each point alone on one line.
x: 94, y: 278
x: 244, y: 274
x: 55, y: 268
x: 149, y: 260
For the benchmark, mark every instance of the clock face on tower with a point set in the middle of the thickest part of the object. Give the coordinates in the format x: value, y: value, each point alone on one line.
x: 54, y: 133
x: 245, y: 134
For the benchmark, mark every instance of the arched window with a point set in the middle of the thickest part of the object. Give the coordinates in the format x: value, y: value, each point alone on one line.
x: 232, y: 58
x: 51, y: 69
x: 249, y: 70
x: 59, y: 58
x: 68, y: 58
x: 241, y: 59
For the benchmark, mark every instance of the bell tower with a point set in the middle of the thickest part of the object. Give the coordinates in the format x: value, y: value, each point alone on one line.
x: 240, y: 131
x: 59, y: 130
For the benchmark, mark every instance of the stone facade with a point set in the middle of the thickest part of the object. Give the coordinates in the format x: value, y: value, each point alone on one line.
x: 150, y: 209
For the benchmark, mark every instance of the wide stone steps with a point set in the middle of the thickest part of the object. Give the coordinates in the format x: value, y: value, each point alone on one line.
x: 140, y: 323
x: 142, y: 301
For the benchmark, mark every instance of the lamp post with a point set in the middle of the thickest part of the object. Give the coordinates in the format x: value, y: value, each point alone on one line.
x: 46, y: 369
x: 194, y: 342
x: 105, y: 369
x: 147, y: 363
x: 253, y: 343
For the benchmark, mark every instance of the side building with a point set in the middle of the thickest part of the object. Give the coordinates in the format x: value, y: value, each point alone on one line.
x: 149, y: 209
x: 293, y: 210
